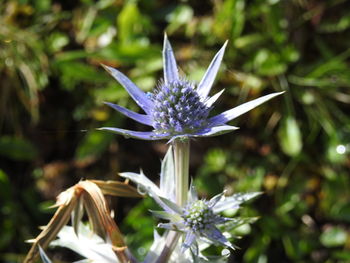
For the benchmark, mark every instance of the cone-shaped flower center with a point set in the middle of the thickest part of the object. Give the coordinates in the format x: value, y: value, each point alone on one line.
x: 199, y: 216
x: 178, y: 108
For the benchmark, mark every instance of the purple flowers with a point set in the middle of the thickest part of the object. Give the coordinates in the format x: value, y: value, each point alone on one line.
x: 178, y: 108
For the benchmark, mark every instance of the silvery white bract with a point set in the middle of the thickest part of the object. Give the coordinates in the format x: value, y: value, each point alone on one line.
x: 87, y: 244
x: 43, y: 256
x: 157, y: 247
x: 166, y: 187
x: 178, y: 107
x: 199, y: 220
x: 179, y: 256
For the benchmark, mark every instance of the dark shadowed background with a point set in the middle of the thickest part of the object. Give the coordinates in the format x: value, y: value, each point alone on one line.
x: 295, y: 148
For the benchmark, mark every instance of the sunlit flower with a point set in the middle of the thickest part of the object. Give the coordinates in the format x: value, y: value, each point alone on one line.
x: 178, y: 107
x: 87, y: 244
x: 200, y: 220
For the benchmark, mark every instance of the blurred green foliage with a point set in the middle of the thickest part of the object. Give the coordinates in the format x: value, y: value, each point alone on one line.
x: 295, y: 148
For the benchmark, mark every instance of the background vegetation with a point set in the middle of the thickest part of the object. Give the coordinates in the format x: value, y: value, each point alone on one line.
x: 295, y: 148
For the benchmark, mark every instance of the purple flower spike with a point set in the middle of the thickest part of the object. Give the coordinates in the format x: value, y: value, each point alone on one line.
x: 177, y: 108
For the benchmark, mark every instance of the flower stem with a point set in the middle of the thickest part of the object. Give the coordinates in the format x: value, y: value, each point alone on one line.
x: 170, y: 244
x: 182, y: 160
x: 181, y: 150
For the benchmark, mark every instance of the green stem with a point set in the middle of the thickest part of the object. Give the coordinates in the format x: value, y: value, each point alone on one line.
x: 182, y: 160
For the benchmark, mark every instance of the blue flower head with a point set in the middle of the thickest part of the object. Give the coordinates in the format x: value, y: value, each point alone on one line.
x: 178, y: 107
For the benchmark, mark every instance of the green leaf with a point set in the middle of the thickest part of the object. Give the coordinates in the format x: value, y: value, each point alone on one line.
x: 333, y: 237
x: 132, y: 25
x: 342, y: 255
x: 128, y: 53
x: 56, y: 41
x: 336, y: 151
x: 167, y: 173
x: 5, y: 186
x: 42, y: 5
x: 229, y: 19
x: 17, y: 148
x: 71, y: 55
x: 81, y: 72
x: 342, y: 24
x: 248, y: 41
x: 216, y: 159
x: 182, y: 15
x: 93, y: 144
x: 112, y: 92
x: 237, y: 222
x: 290, y: 137
x: 269, y: 63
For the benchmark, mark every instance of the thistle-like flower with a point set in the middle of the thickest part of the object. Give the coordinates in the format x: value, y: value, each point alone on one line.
x: 199, y: 220
x: 178, y: 107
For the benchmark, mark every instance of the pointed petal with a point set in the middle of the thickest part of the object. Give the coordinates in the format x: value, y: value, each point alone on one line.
x: 156, y: 248
x: 167, y: 176
x: 150, y: 136
x: 189, y: 239
x: 165, y: 215
x: 214, y: 131
x: 174, y: 207
x: 233, y: 223
x: 160, y: 202
x: 141, y: 118
x: 164, y: 203
x: 156, y: 235
x: 192, y: 193
x: 169, y: 63
x: 207, y: 132
x: 142, y: 181
x: 213, y: 201
x: 206, y: 83
x: 171, y: 226
x: 135, y: 92
x: 241, y: 109
x: 212, y: 99
x: 195, y: 252
x: 43, y: 256
x: 234, y: 201
x: 216, y: 236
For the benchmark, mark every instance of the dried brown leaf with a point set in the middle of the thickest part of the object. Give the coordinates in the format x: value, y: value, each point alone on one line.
x: 77, y: 215
x: 116, y: 188
x: 88, y: 195
x: 66, y: 202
